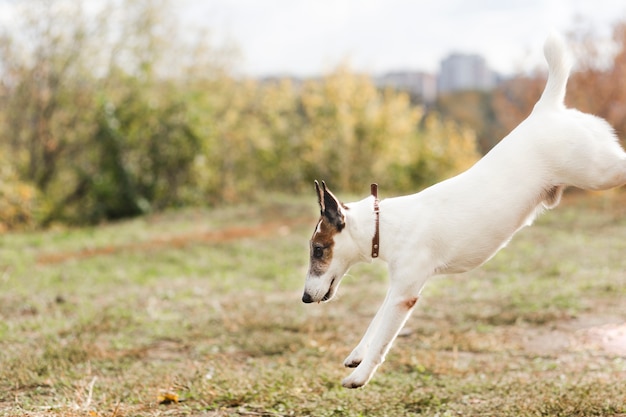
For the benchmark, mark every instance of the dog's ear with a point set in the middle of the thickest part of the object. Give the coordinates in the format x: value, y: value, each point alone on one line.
x: 331, y: 207
x: 320, y: 196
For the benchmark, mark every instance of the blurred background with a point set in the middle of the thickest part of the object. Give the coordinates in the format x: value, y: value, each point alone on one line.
x: 113, y: 109
x: 207, y: 122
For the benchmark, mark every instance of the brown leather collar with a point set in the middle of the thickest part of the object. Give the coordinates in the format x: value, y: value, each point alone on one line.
x: 376, y: 238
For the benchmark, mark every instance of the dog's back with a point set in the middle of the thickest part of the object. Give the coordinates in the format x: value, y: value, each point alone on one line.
x: 476, y: 213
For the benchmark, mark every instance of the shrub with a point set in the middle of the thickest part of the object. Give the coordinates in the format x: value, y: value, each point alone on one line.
x: 17, y: 199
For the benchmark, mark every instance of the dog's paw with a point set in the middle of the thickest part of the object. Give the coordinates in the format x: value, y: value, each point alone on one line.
x: 354, y: 359
x: 351, y: 363
x: 349, y: 383
x: 357, y: 379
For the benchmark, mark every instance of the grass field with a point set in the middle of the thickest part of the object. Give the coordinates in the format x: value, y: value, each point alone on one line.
x: 198, y: 312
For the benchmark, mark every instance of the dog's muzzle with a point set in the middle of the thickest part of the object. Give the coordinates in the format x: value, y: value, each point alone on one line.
x: 306, y: 297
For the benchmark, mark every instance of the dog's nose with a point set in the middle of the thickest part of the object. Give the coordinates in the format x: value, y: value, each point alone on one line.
x: 306, y: 298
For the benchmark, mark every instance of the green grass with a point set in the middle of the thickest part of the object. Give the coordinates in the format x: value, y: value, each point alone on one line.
x: 205, y: 304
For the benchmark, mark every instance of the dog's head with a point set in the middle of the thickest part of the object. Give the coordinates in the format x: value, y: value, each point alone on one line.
x: 331, y: 251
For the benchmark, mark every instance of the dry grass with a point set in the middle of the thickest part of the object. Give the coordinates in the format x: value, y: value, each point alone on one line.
x: 110, y: 321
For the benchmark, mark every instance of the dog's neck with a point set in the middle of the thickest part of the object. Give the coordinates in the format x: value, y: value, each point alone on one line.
x: 361, y: 223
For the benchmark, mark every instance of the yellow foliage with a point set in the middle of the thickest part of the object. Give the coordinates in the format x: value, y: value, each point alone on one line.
x: 17, y: 199
x: 449, y: 148
x: 352, y: 130
x: 283, y: 134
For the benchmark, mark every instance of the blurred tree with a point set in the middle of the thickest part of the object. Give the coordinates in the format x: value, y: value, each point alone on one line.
x: 351, y: 130
x: 94, y: 116
x: 355, y: 133
x: 441, y: 148
x: 474, y: 109
x: 513, y: 101
x: 145, y: 151
x: 48, y: 89
x: 110, y: 114
x: 17, y: 199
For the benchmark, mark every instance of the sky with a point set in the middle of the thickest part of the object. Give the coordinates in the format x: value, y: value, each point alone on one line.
x: 312, y: 37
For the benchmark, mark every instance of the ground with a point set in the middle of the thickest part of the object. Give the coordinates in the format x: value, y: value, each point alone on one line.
x: 198, y: 312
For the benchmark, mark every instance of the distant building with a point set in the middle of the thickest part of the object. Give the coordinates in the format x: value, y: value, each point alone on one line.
x: 458, y: 72
x: 418, y: 84
x: 465, y: 72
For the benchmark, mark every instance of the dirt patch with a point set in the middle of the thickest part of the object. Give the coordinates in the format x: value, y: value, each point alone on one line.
x: 610, y: 338
x: 589, y: 333
x: 177, y: 241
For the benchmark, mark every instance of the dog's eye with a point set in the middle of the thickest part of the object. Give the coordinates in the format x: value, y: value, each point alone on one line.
x: 318, y: 252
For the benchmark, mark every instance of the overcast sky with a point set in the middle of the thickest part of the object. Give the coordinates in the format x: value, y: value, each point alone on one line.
x: 310, y: 37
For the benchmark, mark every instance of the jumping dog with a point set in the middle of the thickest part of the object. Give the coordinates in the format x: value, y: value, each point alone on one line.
x: 458, y: 224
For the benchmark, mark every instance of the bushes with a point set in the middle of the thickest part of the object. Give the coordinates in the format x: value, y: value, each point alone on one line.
x: 107, y: 127
x: 17, y: 199
x: 282, y: 135
x: 160, y: 146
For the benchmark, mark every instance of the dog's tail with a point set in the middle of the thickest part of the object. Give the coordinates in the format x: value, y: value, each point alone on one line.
x: 559, y: 65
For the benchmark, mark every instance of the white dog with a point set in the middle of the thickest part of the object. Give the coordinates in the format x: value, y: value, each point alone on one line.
x: 458, y: 224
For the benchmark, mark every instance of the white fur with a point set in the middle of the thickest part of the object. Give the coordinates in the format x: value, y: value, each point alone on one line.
x: 460, y: 223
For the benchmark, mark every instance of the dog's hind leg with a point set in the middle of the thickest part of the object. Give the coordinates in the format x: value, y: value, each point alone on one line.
x: 614, y: 175
x: 592, y: 158
x: 606, y: 174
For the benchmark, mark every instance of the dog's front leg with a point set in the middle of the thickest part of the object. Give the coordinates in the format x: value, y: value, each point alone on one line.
x: 356, y: 357
x: 383, y: 331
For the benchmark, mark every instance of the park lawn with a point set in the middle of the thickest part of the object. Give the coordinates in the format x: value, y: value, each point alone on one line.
x: 198, y: 312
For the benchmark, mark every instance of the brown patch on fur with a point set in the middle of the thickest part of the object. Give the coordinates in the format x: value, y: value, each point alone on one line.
x: 324, y: 238
x: 552, y: 197
x: 408, y: 304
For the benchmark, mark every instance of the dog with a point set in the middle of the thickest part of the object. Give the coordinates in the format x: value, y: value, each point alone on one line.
x: 460, y: 223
